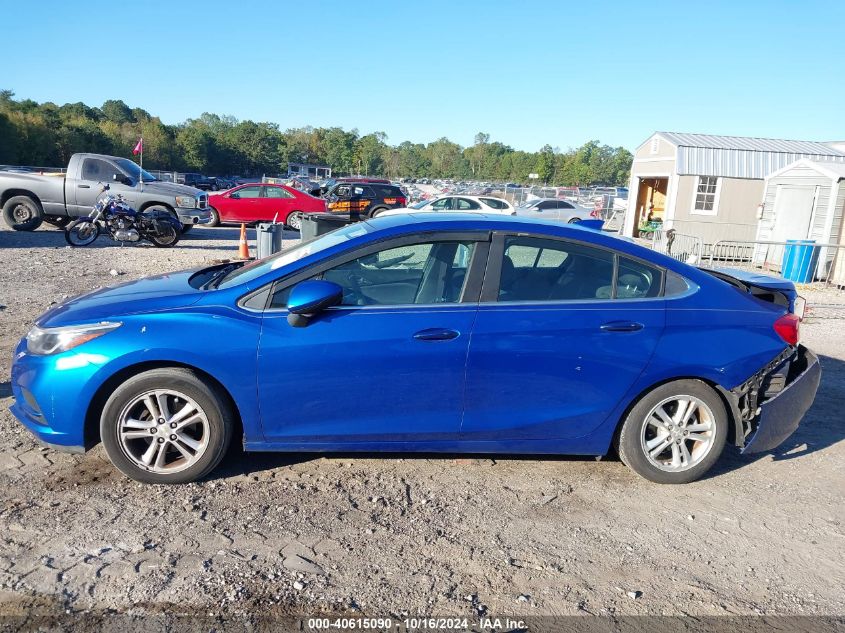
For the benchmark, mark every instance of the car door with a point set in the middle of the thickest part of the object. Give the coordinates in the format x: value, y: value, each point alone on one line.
x: 388, y: 364
x: 95, y: 172
x: 558, y: 340
x: 279, y: 203
x: 465, y: 204
x: 242, y: 205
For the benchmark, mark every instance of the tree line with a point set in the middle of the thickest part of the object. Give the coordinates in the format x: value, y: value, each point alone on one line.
x: 46, y: 134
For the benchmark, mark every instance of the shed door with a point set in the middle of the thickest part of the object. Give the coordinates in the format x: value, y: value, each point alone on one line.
x: 793, y: 210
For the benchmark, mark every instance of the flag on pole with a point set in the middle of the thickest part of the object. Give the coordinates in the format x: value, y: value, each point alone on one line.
x: 139, y: 147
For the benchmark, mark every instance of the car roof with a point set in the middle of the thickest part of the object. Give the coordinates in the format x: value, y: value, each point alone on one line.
x: 420, y: 221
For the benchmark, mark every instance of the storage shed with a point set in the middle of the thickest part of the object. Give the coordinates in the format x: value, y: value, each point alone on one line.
x: 806, y: 201
x: 710, y: 186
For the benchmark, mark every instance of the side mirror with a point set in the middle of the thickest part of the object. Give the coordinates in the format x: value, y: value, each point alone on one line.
x: 123, y: 180
x: 310, y: 297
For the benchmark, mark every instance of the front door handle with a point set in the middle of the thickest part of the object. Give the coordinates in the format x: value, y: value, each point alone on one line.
x: 84, y: 186
x: 436, y: 334
x: 621, y: 326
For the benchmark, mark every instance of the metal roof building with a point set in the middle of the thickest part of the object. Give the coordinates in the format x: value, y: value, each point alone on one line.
x: 710, y: 186
x: 742, y: 157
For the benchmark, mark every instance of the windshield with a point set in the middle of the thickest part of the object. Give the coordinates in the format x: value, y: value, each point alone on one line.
x: 419, y: 205
x: 260, y: 267
x: 135, y: 172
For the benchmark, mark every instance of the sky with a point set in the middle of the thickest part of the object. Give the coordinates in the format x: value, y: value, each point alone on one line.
x: 527, y: 73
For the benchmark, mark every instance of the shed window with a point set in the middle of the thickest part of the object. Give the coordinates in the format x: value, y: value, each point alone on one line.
x: 705, y: 194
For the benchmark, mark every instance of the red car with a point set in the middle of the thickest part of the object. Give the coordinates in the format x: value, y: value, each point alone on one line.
x: 263, y: 203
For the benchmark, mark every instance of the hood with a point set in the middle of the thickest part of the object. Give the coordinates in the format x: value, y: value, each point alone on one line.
x: 151, y: 294
x: 171, y: 188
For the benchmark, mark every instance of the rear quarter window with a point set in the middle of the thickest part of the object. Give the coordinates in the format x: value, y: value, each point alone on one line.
x: 387, y: 192
x: 636, y: 280
x: 494, y: 203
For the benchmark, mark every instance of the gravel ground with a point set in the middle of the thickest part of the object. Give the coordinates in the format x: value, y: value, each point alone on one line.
x: 386, y: 534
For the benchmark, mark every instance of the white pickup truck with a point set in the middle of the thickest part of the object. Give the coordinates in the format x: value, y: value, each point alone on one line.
x: 29, y: 197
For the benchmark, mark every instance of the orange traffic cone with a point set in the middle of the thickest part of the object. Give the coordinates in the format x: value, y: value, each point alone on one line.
x: 243, y: 246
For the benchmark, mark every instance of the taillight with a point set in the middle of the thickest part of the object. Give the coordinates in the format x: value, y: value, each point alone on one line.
x: 401, y: 202
x: 787, y: 328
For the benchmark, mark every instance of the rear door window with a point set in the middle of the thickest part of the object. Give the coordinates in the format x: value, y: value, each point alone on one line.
x: 537, y: 269
x: 277, y: 192
x: 464, y: 204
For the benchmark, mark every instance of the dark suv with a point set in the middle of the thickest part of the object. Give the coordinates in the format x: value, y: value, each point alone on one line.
x: 363, y: 199
x: 195, y: 180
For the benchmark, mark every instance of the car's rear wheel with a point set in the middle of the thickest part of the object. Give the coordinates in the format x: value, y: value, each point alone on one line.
x: 294, y: 221
x: 166, y: 426
x: 574, y: 220
x: 22, y: 213
x: 675, y: 433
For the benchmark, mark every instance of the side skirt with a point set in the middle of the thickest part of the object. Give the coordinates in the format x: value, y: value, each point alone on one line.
x: 580, y: 446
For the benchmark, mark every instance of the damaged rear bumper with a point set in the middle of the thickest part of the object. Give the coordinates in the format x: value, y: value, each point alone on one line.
x: 770, y: 405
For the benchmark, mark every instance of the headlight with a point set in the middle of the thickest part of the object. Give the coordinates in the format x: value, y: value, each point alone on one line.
x: 186, y: 202
x: 54, y: 340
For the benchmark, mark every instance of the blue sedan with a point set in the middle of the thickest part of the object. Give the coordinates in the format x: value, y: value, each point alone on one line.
x: 425, y: 332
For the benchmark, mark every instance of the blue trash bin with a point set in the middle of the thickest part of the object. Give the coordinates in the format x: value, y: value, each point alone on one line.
x: 799, y: 260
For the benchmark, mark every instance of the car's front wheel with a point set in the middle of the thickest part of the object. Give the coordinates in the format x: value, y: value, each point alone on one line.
x: 675, y: 433
x: 166, y: 426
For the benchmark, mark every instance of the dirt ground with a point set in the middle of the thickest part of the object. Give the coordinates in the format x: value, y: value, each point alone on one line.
x: 386, y: 535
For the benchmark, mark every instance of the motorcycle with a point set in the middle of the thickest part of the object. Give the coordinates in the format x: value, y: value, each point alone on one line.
x: 123, y: 223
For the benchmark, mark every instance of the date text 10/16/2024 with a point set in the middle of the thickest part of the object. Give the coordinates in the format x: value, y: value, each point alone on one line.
x: 411, y: 624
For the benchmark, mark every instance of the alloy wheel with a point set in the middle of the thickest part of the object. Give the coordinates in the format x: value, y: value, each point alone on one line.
x: 163, y: 431
x: 678, y: 433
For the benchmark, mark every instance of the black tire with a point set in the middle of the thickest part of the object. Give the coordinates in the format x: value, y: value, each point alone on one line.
x: 23, y: 213
x: 574, y: 220
x: 631, y: 440
x: 376, y: 211
x: 170, y: 235
x: 209, y: 398
x: 84, y: 225
x: 215, y: 217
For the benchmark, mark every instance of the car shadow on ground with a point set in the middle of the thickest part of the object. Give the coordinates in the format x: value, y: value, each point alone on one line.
x: 821, y: 427
x: 238, y: 462
x: 5, y: 389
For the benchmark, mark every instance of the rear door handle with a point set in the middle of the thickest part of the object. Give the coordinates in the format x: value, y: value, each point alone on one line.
x: 436, y: 334
x: 621, y: 326
x: 84, y: 186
